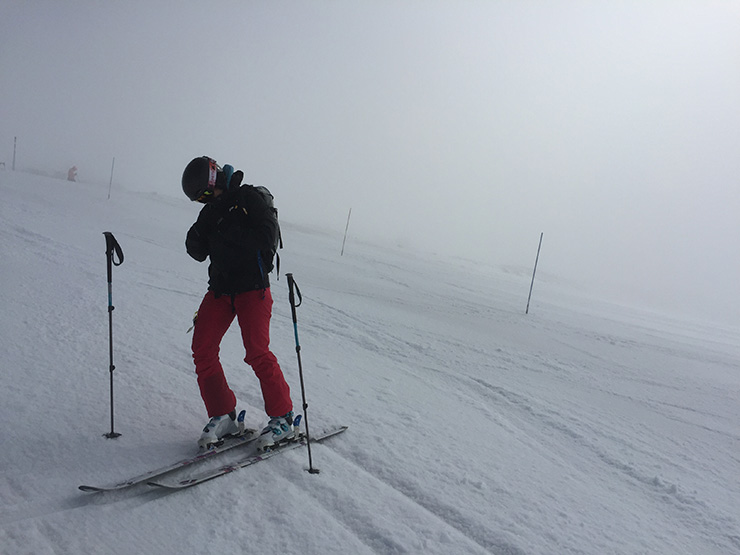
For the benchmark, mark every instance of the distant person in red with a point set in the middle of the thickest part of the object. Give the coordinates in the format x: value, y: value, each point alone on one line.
x: 72, y: 174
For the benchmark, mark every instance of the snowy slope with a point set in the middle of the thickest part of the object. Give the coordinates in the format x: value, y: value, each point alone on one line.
x: 474, y: 428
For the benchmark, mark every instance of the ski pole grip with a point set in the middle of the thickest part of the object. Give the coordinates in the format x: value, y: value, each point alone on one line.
x: 292, y: 290
x: 292, y: 285
x: 112, y: 247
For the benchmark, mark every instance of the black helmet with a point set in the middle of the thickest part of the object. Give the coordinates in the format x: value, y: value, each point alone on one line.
x: 199, y: 178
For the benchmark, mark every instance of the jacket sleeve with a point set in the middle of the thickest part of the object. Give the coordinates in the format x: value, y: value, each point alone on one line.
x: 196, y: 242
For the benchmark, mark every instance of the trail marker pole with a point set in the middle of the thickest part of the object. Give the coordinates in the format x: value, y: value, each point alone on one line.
x: 345, y: 232
x: 531, y: 286
x: 110, y: 185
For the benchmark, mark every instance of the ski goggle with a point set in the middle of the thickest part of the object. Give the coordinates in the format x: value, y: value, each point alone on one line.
x: 212, y: 174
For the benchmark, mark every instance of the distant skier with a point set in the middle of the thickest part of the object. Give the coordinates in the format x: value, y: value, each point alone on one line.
x: 237, y: 229
x: 72, y: 174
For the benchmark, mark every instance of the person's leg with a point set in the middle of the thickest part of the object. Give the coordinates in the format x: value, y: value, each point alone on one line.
x: 214, y: 318
x: 254, y: 310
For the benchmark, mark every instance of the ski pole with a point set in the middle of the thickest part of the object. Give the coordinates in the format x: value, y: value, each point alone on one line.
x: 111, y: 247
x: 291, y: 296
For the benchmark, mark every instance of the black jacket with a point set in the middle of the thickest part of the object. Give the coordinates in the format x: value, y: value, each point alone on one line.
x: 237, y: 231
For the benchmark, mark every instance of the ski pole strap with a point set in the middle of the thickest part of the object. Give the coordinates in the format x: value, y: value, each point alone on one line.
x: 112, y: 247
x: 291, y: 296
x: 293, y: 285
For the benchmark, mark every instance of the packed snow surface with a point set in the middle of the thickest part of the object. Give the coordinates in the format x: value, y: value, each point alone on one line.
x: 581, y: 427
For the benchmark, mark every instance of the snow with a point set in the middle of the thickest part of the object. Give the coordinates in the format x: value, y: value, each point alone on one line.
x: 582, y: 427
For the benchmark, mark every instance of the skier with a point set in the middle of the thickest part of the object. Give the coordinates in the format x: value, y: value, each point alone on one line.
x: 237, y: 229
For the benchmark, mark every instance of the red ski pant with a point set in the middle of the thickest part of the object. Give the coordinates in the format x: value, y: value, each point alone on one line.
x: 253, y: 311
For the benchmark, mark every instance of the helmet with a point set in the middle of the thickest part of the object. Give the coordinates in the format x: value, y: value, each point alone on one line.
x: 199, y: 178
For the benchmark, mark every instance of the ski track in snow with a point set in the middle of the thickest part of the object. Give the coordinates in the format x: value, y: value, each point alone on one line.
x: 448, y: 525
x: 583, y: 437
x: 580, y: 429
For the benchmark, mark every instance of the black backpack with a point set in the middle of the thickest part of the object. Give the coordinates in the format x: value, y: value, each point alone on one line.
x: 267, y: 258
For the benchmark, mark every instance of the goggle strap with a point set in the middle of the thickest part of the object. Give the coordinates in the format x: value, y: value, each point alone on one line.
x: 212, y: 173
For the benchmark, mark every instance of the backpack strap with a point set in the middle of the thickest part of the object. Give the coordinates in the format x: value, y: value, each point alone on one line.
x: 280, y: 244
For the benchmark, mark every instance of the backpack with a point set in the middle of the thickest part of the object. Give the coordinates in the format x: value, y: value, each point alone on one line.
x: 267, y: 258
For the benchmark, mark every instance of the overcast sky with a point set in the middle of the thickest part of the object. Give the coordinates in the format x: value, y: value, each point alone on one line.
x: 451, y: 126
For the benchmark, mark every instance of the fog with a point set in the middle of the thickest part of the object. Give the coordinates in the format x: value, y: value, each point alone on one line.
x: 449, y: 127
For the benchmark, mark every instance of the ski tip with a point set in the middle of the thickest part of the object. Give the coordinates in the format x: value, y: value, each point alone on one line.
x: 89, y: 489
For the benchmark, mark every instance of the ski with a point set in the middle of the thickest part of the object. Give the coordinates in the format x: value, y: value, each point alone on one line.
x: 246, y: 461
x: 244, y: 438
